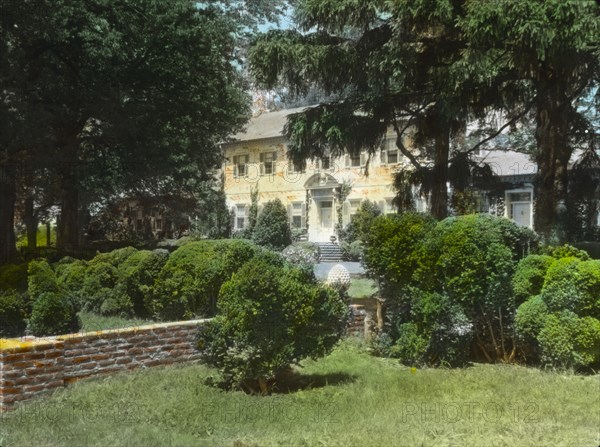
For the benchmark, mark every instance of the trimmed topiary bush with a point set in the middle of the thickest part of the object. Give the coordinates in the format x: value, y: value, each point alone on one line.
x: 114, y: 257
x: 71, y: 277
x: 531, y: 318
x: 53, y: 314
x: 565, y: 251
x: 574, y: 285
x: 568, y: 341
x: 188, y: 284
x: 272, y: 228
x: 136, y: 278
x: 98, y: 286
x: 359, y: 228
x: 529, y: 276
x: 270, y: 317
x: 12, y: 314
x: 41, y: 279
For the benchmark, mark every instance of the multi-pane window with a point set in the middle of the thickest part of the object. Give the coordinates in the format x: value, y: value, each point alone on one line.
x: 355, y: 160
x: 389, y: 206
x: 158, y: 224
x: 389, y: 152
x: 297, y: 215
x: 240, y: 165
x: 240, y: 217
x: 267, y: 163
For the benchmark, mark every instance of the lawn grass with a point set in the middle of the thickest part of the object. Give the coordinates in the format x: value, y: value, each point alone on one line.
x: 91, y: 322
x: 346, y: 399
x: 362, y: 288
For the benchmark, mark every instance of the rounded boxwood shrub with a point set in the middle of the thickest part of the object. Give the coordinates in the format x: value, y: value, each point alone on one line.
x: 188, y: 284
x: 531, y: 318
x: 53, y: 314
x: 568, y: 341
x: 71, y: 277
x: 565, y: 251
x: 529, y: 276
x: 270, y: 317
x: 12, y: 314
x: 272, y: 228
x: 136, y: 277
x: 40, y: 279
x: 98, y: 286
x: 574, y: 285
x: 114, y: 257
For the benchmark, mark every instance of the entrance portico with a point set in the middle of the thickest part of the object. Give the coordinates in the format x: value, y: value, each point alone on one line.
x: 321, y: 189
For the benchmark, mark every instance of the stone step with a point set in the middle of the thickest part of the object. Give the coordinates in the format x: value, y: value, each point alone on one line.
x: 329, y: 252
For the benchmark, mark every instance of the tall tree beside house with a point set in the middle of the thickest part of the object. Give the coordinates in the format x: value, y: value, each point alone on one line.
x: 135, y: 93
x: 550, y: 54
x: 384, y: 64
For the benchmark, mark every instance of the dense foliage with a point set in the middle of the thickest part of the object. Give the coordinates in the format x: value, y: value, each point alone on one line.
x: 558, y: 323
x: 448, y: 284
x: 271, y: 315
x: 53, y: 314
x: 272, y: 229
x: 188, y: 284
x: 12, y: 314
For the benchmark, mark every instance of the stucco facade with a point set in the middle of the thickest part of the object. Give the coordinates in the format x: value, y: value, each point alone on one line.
x: 257, y: 159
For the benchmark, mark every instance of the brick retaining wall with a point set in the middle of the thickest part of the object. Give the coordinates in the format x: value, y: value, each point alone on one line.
x: 29, y: 368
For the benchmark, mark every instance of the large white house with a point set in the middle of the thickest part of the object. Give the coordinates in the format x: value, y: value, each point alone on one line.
x: 256, y: 159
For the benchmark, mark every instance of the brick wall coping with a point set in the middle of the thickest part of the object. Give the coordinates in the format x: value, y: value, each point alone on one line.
x: 10, y: 345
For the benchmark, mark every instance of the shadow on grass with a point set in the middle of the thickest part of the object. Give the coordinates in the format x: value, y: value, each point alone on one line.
x: 291, y: 382
x: 287, y: 382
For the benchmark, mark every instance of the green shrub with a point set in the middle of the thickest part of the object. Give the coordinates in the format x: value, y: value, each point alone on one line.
x: 574, y: 285
x: 272, y: 228
x: 12, y: 314
x: 361, y: 223
x: 410, y: 346
x: 352, y: 251
x: 98, y: 286
x: 529, y: 276
x: 13, y: 276
x: 71, y: 277
x: 53, y: 314
x: 392, y: 247
x: 136, y: 277
x: 565, y: 251
x: 270, y: 317
x: 568, y: 341
x: 531, y: 318
x: 41, y: 279
x: 114, y: 257
x: 188, y: 284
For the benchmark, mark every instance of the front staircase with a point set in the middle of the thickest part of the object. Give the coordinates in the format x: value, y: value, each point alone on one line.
x: 329, y: 252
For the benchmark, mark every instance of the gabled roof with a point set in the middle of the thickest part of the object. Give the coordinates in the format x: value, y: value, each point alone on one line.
x: 266, y: 125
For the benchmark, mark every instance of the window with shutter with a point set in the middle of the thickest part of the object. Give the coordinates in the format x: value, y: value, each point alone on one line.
x: 240, y: 163
x: 267, y: 163
x: 355, y: 160
x: 296, y: 212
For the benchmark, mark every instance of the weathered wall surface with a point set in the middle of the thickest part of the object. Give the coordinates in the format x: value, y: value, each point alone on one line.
x: 33, y: 367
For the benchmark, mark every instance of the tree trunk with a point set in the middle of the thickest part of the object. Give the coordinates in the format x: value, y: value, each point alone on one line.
x: 68, y: 224
x: 439, y: 194
x: 48, y: 234
x: 8, y: 197
x: 31, y: 223
x: 553, y: 154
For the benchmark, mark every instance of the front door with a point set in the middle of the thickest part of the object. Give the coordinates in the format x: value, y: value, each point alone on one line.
x: 522, y: 214
x: 326, y: 218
